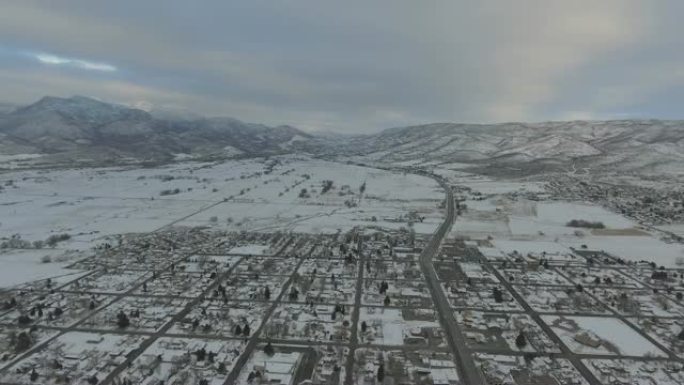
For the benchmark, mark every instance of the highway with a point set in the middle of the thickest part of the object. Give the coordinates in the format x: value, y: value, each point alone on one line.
x: 468, y: 372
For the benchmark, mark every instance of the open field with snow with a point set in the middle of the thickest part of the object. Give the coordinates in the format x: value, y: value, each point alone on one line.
x: 19, y: 266
x: 284, y: 193
x: 503, y: 211
x: 277, y: 194
x: 601, y: 335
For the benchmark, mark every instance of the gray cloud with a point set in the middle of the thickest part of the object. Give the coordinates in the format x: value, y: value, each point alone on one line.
x: 354, y: 66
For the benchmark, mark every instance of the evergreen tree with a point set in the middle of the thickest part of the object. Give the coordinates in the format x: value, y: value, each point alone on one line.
x: 498, y: 295
x: 269, y: 350
x: 381, y: 373
x: 23, y: 342
x: 521, y: 341
x: 201, y: 354
x: 122, y: 320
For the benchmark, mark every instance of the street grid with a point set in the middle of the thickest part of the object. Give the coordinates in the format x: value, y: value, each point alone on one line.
x: 457, y: 344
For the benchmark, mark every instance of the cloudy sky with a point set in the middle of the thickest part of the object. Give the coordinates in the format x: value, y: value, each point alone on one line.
x: 353, y: 66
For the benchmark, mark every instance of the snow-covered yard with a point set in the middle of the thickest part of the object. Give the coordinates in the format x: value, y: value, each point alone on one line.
x: 601, y: 335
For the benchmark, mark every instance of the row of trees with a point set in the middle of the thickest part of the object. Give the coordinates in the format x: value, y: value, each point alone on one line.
x: 16, y: 242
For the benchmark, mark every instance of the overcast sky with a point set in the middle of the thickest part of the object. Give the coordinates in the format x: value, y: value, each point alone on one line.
x: 353, y: 66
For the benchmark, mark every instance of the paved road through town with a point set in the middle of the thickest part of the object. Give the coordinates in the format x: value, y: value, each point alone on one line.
x: 468, y: 372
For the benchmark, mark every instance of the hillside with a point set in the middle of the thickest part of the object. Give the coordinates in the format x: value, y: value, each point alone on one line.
x: 626, y: 145
x: 90, y: 132
x: 87, y: 129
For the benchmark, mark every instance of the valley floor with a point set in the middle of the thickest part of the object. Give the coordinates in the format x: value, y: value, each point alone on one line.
x: 288, y: 269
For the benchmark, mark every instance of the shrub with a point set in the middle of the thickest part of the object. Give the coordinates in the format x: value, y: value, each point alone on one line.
x: 53, y: 240
x: 585, y: 224
x: 327, y: 185
x: 170, y: 192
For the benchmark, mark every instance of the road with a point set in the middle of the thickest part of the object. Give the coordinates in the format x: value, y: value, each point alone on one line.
x: 468, y: 372
x: 566, y: 352
x: 254, y: 340
x: 114, y: 375
x: 116, y: 297
x: 354, y: 338
x: 164, y: 329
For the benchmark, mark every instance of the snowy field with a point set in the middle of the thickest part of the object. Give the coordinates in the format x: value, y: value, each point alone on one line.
x: 19, y: 266
x: 241, y: 195
x: 609, y: 336
x: 528, y: 226
x: 551, y: 218
x: 250, y: 249
x: 255, y: 194
x: 530, y: 247
x: 16, y: 161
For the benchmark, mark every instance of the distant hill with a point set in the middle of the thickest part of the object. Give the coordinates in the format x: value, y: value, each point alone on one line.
x: 85, y: 128
x: 6, y: 108
x: 88, y: 131
x: 623, y: 145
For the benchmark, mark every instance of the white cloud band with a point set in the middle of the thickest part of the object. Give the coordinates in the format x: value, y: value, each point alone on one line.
x: 77, y: 63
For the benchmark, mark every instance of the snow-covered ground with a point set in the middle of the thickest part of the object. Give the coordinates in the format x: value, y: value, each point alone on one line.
x: 250, y: 249
x: 609, y: 331
x: 254, y: 194
x: 552, y: 217
x: 19, y: 266
x: 497, y: 210
x: 16, y: 161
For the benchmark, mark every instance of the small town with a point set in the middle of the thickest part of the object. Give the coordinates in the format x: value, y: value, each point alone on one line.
x: 330, y: 193
x: 206, y: 307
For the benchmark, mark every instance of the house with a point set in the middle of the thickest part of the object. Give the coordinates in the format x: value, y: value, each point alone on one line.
x: 585, y: 338
x: 279, y: 369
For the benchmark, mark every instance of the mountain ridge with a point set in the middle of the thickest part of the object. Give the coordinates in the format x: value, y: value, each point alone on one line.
x: 85, y: 127
x: 82, y: 128
x: 624, y: 145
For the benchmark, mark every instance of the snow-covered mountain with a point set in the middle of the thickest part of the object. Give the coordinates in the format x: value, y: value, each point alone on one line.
x: 626, y: 145
x: 81, y: 127
x: 6, y: 108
